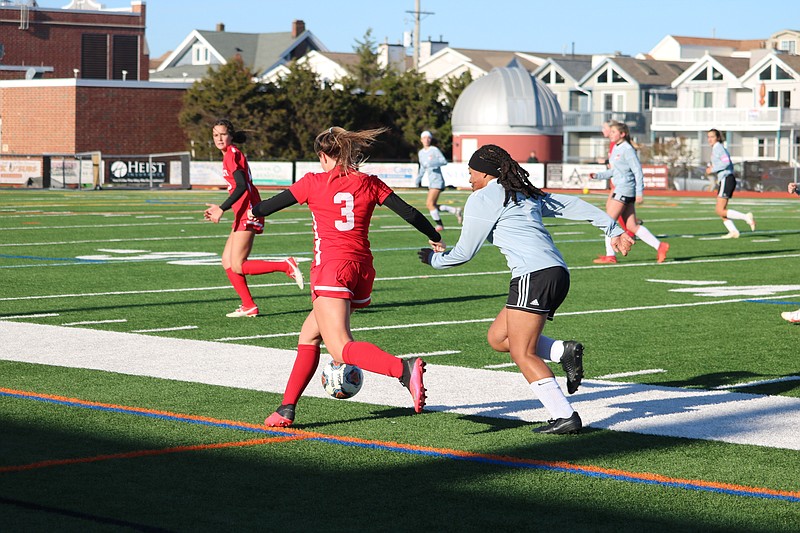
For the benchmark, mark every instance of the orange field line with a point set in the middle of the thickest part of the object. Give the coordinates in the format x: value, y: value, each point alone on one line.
x: 147, y: 453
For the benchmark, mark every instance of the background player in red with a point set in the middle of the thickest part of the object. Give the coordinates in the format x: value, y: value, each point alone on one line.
x: 342, y: 200
x: 243, y: 195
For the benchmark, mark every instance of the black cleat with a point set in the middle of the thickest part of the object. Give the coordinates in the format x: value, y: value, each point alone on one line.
x: 572, y: 363
x: 561, y: 426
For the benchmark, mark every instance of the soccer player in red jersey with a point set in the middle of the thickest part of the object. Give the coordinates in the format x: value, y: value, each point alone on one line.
x: 243, y: 195
x: 342, y: 200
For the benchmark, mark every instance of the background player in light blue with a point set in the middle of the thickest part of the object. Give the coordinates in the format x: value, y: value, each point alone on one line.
x: 507, y: 210
x: 722, y: 166
x: 431, y: 161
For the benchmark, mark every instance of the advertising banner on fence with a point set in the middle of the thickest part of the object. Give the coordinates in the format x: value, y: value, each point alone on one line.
x: 656, y: 176
x: 266, y: 173
x: 568, y: 176
x: 136, y: 171
x: 19, y: 171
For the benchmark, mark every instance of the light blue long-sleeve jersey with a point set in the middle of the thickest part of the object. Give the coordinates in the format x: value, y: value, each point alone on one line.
x: 625, y: 172
x: 517, y: 229
x: 431, y: 160
x: 721, y: 163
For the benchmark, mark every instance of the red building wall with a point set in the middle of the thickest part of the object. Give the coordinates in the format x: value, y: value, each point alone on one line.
x: 70, y: 116
x: 549, y: 148
x: 53, y: 38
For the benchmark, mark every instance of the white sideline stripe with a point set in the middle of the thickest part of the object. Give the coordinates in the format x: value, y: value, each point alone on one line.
x: 632, y: 407
x: 758, y: 383
x: 631, y: 374
x: 176, y: 328
x: 428, y: 354
x: 504, y: 365
x: 90, y: 322
x: 41, y: 315
x: 477, y: 320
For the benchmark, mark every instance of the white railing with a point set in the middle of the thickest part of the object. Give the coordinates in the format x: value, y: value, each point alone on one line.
x: 724, y: 119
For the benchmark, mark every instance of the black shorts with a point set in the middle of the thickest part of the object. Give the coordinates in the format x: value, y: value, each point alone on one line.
x: 726, y: 186
x: 540, y: 292
x: 623, y: 199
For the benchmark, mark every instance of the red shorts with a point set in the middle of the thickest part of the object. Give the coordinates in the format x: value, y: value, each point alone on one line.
x: 242, y: 223
x: 350, y: 280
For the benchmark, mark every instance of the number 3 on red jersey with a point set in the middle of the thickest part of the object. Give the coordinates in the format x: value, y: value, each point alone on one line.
x: 346, y: 199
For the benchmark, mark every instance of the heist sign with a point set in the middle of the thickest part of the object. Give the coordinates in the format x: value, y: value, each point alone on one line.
x: 137, y: 171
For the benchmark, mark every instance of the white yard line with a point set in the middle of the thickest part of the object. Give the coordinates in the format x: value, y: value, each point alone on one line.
x: 631, y: 374
x: 156, y: 330
x: 91, y: 322
x: 668, y: 411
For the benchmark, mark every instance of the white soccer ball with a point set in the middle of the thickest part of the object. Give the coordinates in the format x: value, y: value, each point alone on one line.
x: 341, y: 380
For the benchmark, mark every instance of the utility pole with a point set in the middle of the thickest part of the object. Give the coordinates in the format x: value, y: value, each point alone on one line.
x: 417, y: 14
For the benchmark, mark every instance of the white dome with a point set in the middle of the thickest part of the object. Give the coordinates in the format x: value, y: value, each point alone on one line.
x: 507, y: 100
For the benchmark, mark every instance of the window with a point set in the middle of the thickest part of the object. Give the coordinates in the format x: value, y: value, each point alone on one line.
x: 701, y: 76
x: 788, y: 46
x: 603, y: 77
x: 616, y: 78
x: 94, y: 56
x: 765, y: 74
x: 559, y: 77
x: 125, y: 57
x: 781, y: 74
x: 703, y: 99
x: 200, y: 55
x: 578, y: 101
x: 608, y: 102
x: 779, y: 99
x: 716, y: 75
x: 765, y: 147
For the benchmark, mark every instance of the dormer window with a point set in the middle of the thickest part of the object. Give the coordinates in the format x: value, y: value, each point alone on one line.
x: 200, y: 54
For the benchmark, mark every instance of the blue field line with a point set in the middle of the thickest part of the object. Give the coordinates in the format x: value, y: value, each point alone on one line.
x: 40, y: 258
x: 771, y: 302
x: 510, y: 462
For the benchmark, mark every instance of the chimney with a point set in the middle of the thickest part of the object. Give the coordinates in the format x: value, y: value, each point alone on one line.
x: 298, y: 27
x: 220, y: 26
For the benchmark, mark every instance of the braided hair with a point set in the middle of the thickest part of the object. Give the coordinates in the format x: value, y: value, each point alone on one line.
x: 495, y: 161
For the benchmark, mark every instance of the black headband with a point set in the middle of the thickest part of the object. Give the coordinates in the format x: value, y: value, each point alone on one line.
x: 476, y: 162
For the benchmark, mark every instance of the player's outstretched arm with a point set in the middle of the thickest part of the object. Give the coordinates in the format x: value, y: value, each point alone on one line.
x: 412, y: 215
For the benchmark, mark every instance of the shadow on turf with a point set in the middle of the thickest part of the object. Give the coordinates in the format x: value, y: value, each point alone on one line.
x: 720, y: 379
x: 285, y: 486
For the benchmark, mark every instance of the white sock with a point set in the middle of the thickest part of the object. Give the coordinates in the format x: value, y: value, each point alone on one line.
x: 447, y: 209
x: 609, y: 249
x: 549, y: 393
x: 736, y: 215
x: 549, y: 349
x: 730, y: 225
x: 435, y: 215
x: 647, y: 237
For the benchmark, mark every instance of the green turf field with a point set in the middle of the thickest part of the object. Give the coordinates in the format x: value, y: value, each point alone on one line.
x: 87, y: 450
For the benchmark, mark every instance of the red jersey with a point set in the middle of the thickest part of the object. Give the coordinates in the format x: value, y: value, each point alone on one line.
x: 341, y: 207
x: 232, y: 161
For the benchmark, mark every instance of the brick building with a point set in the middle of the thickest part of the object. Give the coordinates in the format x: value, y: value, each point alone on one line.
x: 71, y: 115
x: 75, y: 80
x: 81, y: 40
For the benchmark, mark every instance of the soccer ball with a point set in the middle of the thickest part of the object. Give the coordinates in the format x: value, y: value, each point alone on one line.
x: 341, y: 380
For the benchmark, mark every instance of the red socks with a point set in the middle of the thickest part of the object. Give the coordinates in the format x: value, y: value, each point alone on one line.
x: 256, y: 267
x: 305, y: 366
x: 239, y: 283
x: 369, y: 357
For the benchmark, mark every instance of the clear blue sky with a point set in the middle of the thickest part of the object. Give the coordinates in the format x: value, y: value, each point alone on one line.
x: 593, y: 26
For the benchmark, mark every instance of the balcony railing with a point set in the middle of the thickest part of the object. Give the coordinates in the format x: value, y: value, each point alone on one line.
x: 681, y: 119
x: 593, y: 121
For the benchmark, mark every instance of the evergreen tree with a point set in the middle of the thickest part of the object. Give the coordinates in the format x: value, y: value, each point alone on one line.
x: 225, y: 92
